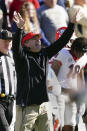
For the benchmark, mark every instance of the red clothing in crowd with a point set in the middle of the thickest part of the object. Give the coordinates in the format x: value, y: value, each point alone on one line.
x: 16, y: 5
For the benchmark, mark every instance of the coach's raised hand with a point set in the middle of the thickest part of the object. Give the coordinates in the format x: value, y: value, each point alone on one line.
x: 18, y: 20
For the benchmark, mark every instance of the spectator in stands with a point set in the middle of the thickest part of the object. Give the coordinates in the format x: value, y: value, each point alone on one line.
x: 51, y: 16
x: 16, y: 5
x: 28, y: 12
x: 81, y: 25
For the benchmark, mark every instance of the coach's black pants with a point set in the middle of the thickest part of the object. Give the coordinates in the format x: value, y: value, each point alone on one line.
x: 6, y: 109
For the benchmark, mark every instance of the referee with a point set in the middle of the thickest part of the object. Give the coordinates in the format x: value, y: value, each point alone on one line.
x: 7, y: 82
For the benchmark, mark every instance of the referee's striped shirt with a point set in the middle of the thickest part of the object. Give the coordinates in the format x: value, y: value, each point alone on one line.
x: 7, y: 75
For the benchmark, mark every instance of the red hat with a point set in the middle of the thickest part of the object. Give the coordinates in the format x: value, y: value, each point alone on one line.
x: 30, y: 36
x: 59, y: 32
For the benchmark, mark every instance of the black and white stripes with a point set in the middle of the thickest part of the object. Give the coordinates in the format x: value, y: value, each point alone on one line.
x: 7, y: 75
